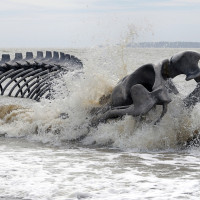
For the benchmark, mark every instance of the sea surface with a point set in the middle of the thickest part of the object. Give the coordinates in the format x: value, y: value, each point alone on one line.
x: 46, y: 157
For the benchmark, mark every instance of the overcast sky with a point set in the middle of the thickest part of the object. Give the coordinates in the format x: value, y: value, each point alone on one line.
x: 87, y: 23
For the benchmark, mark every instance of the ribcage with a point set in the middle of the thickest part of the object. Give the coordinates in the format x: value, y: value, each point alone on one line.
x: 31, y: 77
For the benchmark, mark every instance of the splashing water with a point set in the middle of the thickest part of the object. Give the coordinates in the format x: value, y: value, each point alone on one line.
x: 78, y: 92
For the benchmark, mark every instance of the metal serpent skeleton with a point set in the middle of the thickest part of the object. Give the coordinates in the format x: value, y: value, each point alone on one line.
x: 31, y: 77
x: 136, y: 94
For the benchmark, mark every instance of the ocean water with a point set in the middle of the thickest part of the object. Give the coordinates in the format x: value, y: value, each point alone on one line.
x: 45, y: 157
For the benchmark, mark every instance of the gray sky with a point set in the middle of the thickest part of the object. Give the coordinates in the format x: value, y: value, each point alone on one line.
x: 87, y: 23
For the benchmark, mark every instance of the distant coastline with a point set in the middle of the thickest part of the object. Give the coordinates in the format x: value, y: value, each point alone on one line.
x: 165, y: 45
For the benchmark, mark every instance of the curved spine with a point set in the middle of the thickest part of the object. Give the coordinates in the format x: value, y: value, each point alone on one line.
x: 34, y: 72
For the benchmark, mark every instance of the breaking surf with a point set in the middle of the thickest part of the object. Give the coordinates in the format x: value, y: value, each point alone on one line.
x: 66, y: 117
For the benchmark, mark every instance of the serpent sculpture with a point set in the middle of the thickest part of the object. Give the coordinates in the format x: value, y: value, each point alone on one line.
x: 136, y: 94
x: 150, y: 85
x: 32, y: 77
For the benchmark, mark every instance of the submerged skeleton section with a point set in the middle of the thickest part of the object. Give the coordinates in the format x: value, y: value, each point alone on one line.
x: 31, y: 77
